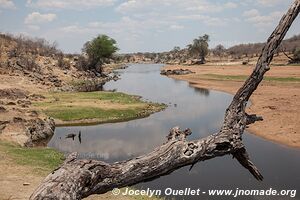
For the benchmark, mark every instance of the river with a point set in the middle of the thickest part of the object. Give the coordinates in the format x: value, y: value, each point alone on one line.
x: 202, y: 111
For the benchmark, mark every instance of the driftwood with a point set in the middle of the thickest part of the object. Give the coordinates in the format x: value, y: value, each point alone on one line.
x: 77, y: 179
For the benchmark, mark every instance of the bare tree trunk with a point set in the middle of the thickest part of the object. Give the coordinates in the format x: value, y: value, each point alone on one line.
x: 77, y: 179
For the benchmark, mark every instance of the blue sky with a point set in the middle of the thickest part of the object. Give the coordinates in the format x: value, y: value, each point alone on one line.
x: 144, y: 25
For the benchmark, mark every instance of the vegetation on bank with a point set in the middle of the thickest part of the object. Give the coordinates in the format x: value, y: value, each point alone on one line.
x: 42, y: 160
x: 99, y: 51
x: 95, y: 107
x: 243, y: 78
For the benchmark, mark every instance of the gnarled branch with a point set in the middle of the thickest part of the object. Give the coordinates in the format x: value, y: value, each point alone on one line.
x: 77, y: 179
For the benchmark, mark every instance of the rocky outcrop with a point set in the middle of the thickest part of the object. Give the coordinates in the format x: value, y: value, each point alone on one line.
x: 19, y: 123
x: 27, y: 132
x: 176, y: 72
x: 39, y: 131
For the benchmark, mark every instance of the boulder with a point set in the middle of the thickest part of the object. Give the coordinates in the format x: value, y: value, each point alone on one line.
x: 39, y: 131
x: 176, y: 72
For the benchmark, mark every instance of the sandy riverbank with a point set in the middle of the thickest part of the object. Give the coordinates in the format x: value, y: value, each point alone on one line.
x: 277, y: 99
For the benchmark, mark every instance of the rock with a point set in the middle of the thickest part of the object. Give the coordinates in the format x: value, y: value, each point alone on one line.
x: 245, y: 62
x: 32, y: 113
x: 197, y: 62
x: 18, y: 120
x: 39, y: 131
x: 36, y: 97
x: 24, y: 102
x: 115, y: 77
x: 39, y: 76
x: 11, y: 103
x: 176, y: 72
x: 13, y: 93
x: 2, y: 109
x: 3, y: 125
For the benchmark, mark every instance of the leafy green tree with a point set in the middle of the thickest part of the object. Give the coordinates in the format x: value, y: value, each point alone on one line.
x: 199, y: 47
x: 99, y: 51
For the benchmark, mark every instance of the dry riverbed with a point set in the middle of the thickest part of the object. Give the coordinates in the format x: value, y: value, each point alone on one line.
x: 277, y: 99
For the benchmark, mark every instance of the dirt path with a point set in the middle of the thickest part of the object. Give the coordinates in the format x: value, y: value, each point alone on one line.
x: 277, y: 101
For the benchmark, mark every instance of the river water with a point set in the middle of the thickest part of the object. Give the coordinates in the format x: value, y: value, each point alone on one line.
x: 202, y: 111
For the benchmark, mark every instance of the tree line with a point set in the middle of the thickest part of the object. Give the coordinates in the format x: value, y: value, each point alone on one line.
x: 199, y: 49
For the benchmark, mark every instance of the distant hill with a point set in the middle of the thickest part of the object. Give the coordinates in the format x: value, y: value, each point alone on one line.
x: 252, y: 49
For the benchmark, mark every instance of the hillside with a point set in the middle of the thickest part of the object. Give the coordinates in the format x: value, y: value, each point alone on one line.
x: 42, y: 63
x: 30, y: 68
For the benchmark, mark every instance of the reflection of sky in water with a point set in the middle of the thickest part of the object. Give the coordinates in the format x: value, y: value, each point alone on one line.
x: 200, y: 110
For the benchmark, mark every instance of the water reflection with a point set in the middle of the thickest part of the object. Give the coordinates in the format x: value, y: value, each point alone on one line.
x: 199, y: 109
x: 201, y: 91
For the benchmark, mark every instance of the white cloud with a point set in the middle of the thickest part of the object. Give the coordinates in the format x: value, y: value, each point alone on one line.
x: 209, y: 7
x: 205, y: 19
x: 38, y: 18
x: 126, y: 28
x: 69, y: 4
x: 168, y: 12
x: 259, y: 20
x: 251, y: 13
x: 271, y: 2
x: 230, y: 5
x: 75, y: 29
x: 203, y: 6
x: 176, y: 27
x: 7, y: 4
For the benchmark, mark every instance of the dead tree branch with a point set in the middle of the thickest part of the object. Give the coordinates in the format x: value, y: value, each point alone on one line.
x: 77, y: 179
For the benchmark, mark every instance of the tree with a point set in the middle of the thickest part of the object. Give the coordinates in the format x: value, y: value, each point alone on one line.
x: 296, y: 55
x: 176, y: 49
x: 295, y: 58
x: 219, y: 50
x: 199, y: 47
x: 99, y: 50
x: 76, y: 179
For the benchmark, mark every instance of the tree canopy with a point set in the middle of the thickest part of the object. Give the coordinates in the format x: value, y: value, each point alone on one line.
x: 99, y: 50
x: 199, y: 47
x: 219, y: 50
